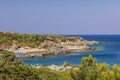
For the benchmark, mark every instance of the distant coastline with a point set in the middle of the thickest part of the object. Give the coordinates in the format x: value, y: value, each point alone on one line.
x: 35, y: 45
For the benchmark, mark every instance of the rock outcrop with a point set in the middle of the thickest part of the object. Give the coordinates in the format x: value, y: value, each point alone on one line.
x: 59, y: 46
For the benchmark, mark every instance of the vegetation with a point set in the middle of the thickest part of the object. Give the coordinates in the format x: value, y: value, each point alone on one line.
x: 11, y: 69
x: 90, y: 70
x: 32, y: 40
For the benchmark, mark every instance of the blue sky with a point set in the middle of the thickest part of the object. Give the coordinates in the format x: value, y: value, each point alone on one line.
x: 60, y: 16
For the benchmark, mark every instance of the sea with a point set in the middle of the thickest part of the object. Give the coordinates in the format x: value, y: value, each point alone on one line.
x: 107, y: 53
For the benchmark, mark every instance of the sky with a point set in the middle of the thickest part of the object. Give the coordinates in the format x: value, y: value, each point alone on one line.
x: 60, y: 16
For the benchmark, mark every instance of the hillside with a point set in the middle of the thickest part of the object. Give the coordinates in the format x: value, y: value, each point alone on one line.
x: 35, y: 45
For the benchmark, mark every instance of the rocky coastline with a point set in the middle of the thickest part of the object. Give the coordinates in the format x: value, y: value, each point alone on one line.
x: 37, y: 45
x: 50, y: 48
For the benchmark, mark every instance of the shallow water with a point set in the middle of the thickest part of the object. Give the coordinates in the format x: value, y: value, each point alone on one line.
x: 108, y: 53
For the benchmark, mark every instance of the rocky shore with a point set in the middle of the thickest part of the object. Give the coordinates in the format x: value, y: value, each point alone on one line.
x: 37, y: 45
x: 57, y: 47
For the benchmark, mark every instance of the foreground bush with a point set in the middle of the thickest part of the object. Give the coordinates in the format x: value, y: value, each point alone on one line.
x: 90, y: 70
x: 11, y: 69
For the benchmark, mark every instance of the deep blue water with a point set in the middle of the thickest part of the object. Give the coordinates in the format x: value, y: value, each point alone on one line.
x: 108, y: 53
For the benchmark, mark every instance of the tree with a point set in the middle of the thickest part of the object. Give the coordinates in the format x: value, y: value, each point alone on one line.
x: 11, y: 69
x: 116, y: 70
x: 5, y: 42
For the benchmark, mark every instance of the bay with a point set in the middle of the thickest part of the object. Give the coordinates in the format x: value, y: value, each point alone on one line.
x: 108, y: 53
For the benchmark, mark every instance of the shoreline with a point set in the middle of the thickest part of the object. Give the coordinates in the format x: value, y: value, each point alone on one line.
x: 43, y: 54
x: 51, y: 45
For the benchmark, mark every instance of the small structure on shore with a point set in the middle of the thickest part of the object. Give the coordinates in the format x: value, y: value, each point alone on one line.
x: 64, y: 67
x: 2, y: 49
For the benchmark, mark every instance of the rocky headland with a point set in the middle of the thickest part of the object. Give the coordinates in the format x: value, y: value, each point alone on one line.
x: 51, y: 47
x: 35, y: 45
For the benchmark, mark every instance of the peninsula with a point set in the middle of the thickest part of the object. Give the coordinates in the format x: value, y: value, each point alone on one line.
x: 35, y: 45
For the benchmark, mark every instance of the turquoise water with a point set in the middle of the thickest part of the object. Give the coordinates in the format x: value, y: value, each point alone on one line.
x: 108, y: 53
